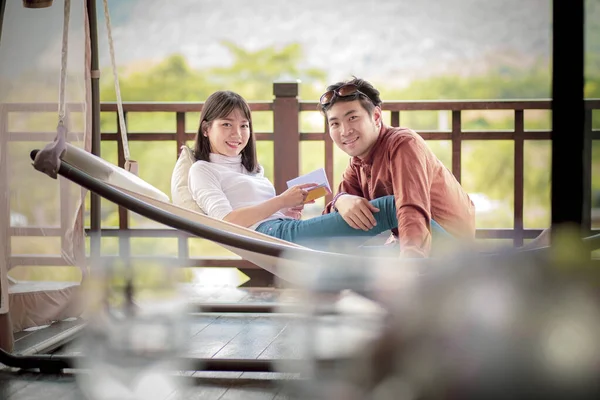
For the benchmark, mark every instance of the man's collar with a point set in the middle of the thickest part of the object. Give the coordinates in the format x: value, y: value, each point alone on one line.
x: 368, y: 160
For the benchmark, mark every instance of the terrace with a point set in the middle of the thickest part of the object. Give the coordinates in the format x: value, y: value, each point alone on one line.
x: 287, y: 140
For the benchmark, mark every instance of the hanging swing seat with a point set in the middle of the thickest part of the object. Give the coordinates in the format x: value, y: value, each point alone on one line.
x: 129, y: 191
x: 79, y: 163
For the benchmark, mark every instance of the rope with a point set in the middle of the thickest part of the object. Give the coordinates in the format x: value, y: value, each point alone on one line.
x: 63, y: 65
x: 117, y: 89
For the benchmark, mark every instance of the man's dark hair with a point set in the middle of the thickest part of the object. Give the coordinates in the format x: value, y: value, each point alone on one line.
x: 368, y: 96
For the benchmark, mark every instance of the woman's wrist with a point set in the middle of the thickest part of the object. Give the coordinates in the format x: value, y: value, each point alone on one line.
x: 279, y: 202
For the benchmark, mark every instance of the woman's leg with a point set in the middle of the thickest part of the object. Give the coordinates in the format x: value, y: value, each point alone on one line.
x: 314, y: 231
x: 332, y: 225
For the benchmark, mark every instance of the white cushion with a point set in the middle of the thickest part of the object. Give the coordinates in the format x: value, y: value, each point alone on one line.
x: 110, y: 173
x: 180, y: 191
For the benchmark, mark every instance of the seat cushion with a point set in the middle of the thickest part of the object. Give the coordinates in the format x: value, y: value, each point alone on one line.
x: 180, y: 191
x: 109, y: 173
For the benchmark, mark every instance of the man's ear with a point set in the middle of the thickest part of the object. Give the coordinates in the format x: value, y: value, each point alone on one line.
x: 377, y: 115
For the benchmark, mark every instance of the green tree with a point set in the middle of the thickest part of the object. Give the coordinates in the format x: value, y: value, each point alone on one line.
x: 172, y: 79
x: 252, y: 73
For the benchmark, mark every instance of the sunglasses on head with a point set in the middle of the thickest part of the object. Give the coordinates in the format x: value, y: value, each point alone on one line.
x: 346, y: 90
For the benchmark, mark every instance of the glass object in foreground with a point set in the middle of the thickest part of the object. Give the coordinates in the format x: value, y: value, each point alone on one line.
x: 508, y: 325
x: 136, y: 334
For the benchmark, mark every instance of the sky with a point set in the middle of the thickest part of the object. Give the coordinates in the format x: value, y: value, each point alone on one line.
x: 385, y: 39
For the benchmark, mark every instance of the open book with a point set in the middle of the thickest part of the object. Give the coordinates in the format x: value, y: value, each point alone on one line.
x: 317, y: 176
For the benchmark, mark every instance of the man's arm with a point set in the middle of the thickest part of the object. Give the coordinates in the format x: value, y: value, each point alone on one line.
x: 411, y: 180
x: 349, y: 185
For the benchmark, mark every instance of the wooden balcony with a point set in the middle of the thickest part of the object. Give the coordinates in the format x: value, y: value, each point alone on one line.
x: 286, y: 112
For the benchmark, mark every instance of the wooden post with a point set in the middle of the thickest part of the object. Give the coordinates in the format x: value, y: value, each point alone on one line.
x: 180, y: 131
x: 286, y: 133
x: 7, y: 339
x: 568, y: 114
x: 519, y: 170
x: 587, y: 174
x: 95, y: 201
x: 124, y: 233
x: 456, y: 144
x: 183, y: 251
x: 5, y: 252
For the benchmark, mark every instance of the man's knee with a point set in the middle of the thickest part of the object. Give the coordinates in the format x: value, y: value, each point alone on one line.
x: 387, y: 202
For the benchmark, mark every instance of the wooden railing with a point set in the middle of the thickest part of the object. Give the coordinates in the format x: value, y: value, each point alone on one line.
x: 286, y: 137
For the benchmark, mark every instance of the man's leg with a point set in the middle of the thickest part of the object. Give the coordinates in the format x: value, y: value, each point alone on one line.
x: 328, y: 229
x: 332, y: 225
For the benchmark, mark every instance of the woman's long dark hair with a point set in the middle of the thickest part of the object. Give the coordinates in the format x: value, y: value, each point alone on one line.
x: 219, y: 105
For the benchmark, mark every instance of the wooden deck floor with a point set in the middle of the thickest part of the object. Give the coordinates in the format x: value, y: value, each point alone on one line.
x: 30, y: 386
x: 223, y: 336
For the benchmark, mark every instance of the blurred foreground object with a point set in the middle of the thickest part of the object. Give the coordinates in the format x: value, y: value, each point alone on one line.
x: 136, y: 332
x: 514, y: 326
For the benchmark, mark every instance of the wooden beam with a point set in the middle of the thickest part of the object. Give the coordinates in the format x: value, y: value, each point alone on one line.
x: 568, y: 113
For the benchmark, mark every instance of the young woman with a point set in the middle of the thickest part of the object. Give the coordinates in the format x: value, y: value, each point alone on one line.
x: 228, y: 183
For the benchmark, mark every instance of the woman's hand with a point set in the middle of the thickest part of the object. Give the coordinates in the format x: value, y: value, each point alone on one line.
x: 294, y: 212
x: 295, y: 196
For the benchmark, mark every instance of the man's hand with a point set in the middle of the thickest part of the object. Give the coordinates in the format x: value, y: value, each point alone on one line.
x: 356, y: 211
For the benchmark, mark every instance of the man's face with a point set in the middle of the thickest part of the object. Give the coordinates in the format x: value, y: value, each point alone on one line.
x: 352, y: 128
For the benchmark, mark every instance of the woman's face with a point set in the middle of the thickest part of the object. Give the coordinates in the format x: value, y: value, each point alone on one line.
x: 228, y: 136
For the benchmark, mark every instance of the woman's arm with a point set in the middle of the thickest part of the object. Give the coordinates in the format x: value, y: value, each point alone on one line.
x: 206, y: 190
x: 248, y: 216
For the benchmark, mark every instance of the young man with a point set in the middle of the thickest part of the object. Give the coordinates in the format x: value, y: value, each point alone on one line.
x: 387, y: 160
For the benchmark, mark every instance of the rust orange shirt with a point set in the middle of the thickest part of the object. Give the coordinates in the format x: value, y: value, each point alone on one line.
x: 401, y: 163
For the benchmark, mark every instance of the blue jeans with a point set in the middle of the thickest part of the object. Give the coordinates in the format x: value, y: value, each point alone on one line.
x: 328, y: 230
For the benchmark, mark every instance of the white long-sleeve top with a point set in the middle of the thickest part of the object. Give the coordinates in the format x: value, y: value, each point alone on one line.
x: 223, y: 185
